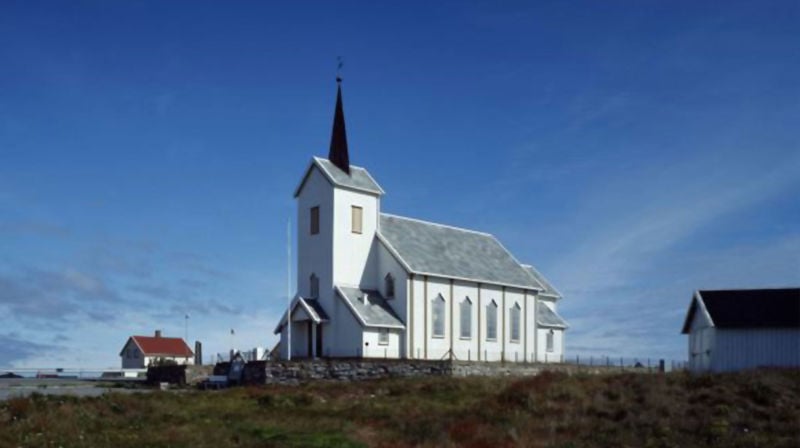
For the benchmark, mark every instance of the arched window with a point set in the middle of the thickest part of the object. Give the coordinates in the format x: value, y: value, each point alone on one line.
x: 389, y: 280
x: 437, y: 313
x: 550, y: 337
x: 515, y: 322
x: 466, y: 318
x: 314, y: 286
x: 491, y: 321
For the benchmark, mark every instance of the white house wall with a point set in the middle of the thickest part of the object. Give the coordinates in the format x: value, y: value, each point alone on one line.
x: 136, y: 359
x: 737, y: 349
x: 701, y: 341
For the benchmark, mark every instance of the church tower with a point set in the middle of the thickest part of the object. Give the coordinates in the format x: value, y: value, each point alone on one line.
x: 338, y: 208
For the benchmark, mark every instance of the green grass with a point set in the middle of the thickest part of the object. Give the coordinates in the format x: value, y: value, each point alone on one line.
x: 549, y: 410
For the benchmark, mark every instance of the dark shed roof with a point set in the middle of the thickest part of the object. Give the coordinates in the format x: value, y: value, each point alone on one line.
x: 749, y: 308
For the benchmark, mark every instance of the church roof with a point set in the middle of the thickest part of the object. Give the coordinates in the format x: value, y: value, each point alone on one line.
x: 376, y: 312
x: 546, y: 317
x: 338, y: 154
x: 547, y: 287
x: 434, y: 249
x: 358, y: 179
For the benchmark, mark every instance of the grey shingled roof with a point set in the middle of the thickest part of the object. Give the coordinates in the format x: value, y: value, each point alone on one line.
x: 435, y: 249
x: 547, y: 287
x: 546, y: 317
x: 358, y: 179
x: 375, y: 313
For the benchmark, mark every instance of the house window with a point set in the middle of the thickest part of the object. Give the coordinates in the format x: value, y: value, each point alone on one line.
x: 515, y: 322
x: 466, y: 318
x: 491, y: 321
x: 383, y: 336
x: 438, y: 316
x: 314, y: 220
x: 136, y: 353
x: 356, y: 214
x: 389, y: 286
x: 314, y: 286
x: 550, y: 336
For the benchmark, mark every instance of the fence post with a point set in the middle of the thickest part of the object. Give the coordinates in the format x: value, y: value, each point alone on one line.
x: 469, y: 354
x: 485, y: 359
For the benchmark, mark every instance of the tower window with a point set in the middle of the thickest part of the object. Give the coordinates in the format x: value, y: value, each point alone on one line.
x: 389, y: 286
x: 314, y: 220
x: 356, y: 214
x: 314, y: 286
x: 550, y: 335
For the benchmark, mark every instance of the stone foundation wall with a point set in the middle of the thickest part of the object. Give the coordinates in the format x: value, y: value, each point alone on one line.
x: 296, y: 372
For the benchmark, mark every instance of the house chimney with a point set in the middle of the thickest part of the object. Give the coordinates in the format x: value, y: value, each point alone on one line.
x: 158, y: 333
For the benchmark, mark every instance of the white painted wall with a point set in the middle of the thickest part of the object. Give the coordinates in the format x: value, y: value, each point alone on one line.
x: 315, y: 252
x: 701, y: 341
x: 373, y: 348
x: 132, y: 357
x: 557, y: 355
x: 739, y: 349
x: 354, y: 257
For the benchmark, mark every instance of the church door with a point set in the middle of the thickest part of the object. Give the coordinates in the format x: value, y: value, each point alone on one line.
x: 309, y: 338
x: 319, y: 340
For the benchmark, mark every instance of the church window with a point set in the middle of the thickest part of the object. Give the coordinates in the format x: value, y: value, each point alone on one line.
x: 466, y: 318
x: 356, y: 217
x: 314, y: 220
x: 515, y: 322
x: 491, y: 321
x: 314, y: 286
x: 438, y: 316
x: 389, y: 286
x: 550, y: 336
x: 383, y: 336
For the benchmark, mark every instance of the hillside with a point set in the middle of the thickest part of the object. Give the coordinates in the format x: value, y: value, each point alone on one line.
x: 549, y: 410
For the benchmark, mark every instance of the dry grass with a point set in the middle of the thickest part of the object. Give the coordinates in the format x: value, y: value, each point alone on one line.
x: 549, y: 410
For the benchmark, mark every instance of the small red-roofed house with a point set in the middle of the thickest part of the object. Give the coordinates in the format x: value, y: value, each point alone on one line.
x: 140, y: 351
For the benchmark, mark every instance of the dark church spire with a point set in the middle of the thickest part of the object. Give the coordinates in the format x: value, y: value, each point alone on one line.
x: 338, y: 152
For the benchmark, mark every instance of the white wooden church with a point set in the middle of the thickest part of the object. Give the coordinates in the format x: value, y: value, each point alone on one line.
x: 375, y: 285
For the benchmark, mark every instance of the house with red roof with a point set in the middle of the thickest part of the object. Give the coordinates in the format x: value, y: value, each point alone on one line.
x: 141, y: 351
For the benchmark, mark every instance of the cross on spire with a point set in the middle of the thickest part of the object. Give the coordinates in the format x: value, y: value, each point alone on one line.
x: 338, y: 152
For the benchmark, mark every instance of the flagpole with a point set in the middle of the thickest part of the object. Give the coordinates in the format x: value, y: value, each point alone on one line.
x: 289, y: 289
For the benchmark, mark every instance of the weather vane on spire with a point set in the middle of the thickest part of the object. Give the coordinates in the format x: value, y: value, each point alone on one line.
x: 339, y: 65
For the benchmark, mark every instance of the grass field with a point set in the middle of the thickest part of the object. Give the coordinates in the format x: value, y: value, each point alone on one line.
x: 549, y: 410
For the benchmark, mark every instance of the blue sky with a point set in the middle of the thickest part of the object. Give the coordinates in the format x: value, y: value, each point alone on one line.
x: 632, y: 151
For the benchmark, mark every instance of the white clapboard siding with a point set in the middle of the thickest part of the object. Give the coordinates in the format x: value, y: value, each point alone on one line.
x: 736, y: 349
